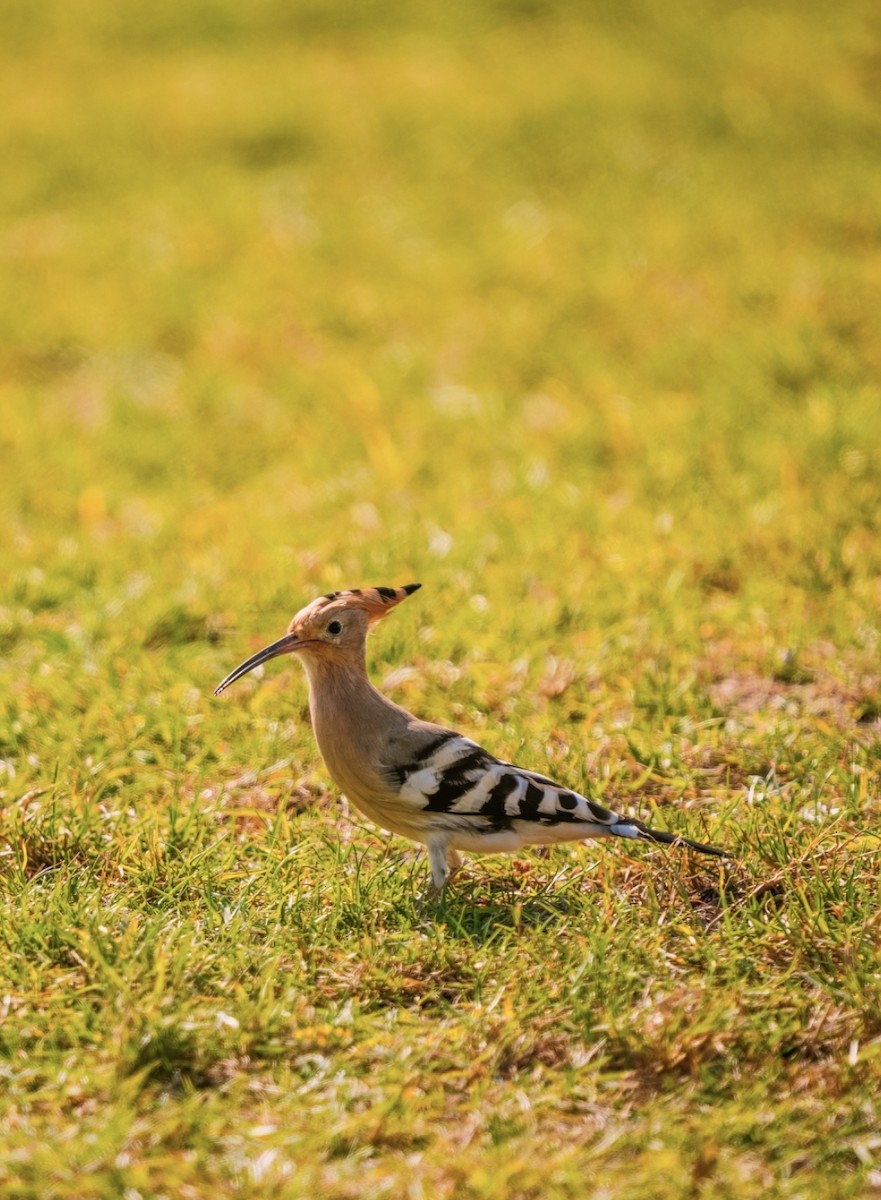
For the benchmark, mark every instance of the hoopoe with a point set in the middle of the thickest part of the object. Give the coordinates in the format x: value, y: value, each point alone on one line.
x: 412, y: 777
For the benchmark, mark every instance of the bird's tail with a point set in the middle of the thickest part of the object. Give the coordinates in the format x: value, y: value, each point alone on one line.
x: 636, y: 829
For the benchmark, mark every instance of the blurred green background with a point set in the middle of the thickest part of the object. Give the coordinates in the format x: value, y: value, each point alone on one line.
x: 582, y: 284
x: 570, y: 311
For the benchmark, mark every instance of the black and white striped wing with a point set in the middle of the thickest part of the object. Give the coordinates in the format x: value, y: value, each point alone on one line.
x: 452, y: 774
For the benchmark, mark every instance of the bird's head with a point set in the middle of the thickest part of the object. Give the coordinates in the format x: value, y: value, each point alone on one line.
x: 333, y: 627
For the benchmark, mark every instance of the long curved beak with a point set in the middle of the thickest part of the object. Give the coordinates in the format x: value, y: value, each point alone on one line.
x: 284, y: 645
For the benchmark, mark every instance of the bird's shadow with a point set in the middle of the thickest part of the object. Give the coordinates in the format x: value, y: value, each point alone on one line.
x: 480, y: 910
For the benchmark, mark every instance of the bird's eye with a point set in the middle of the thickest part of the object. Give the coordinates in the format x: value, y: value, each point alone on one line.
x: 334, y: 628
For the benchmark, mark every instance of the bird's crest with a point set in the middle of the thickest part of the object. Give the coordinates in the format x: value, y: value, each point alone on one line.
x: 377, y: 602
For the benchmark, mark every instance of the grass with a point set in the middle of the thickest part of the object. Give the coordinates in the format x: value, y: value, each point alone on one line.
x: 569, y: 312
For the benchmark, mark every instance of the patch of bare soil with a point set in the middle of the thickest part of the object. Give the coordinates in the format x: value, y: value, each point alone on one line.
x: 798, y: 685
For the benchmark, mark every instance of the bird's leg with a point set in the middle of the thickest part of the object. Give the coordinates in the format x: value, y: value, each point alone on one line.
x: 438, y: 859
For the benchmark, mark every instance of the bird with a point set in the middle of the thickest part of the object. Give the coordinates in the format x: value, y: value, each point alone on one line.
x: 418, y: 779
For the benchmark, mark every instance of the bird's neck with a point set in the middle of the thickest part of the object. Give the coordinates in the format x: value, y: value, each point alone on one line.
x: 341, y: 687
x: 351, y: 720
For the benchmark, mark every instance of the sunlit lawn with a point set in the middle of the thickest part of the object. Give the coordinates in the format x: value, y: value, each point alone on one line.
x: 570, y: 312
